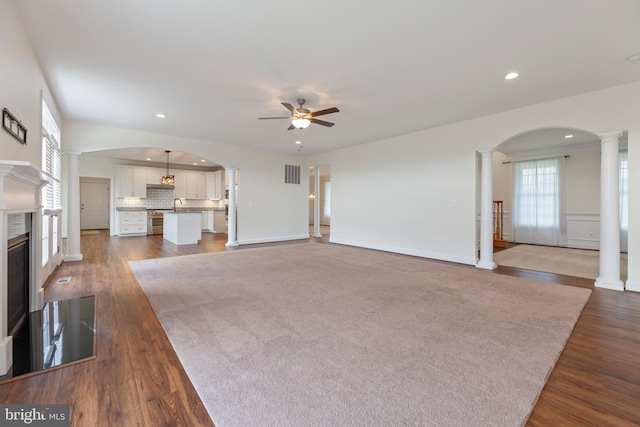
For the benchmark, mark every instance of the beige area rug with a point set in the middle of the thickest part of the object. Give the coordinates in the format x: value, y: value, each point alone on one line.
x: 315, y: 334
x: 551, y: 259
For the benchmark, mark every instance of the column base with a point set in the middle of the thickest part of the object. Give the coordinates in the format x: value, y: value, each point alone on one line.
x: 632, y: 286
x: 317, y: 235
x: 613, y: 284
x: 6, y: 355
x: 231, y: 244
x: 487, y: 265
x: 71, y: 257
x: 39, y: 300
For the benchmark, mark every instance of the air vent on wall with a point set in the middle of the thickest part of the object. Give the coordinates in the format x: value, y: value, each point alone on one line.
x: 291, y: 174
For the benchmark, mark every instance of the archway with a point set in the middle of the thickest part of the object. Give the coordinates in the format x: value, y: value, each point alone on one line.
x: 580, y: 212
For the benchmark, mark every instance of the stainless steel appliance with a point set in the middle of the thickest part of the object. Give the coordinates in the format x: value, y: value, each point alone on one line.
x: 155, y: 220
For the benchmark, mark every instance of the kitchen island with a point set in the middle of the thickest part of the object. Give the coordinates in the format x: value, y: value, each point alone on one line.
x: 182, y: 228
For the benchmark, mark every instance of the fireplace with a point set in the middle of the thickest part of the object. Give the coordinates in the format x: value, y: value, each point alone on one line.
x: 17, y: 282
x: 20, y: 230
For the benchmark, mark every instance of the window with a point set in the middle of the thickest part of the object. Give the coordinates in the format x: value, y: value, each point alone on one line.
x: 51, y: 160
x: 52, y: 192
x: 538, y: 203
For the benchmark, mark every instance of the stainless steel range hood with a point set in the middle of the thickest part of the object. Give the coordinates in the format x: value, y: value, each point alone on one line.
x: 161, y: 186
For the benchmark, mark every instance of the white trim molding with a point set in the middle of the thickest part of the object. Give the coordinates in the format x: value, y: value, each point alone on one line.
x: 20, y: 192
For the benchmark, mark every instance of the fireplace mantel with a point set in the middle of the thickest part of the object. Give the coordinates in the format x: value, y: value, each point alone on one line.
x: 20, y: 192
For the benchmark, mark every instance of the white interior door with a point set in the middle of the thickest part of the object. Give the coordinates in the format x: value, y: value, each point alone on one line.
x: 94, y: 204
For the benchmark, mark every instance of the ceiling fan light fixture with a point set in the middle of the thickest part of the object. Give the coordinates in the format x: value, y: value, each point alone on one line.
x: 300, y: 123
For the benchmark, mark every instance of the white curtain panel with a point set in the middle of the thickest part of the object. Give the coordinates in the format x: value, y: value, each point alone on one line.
x: 538, y: 202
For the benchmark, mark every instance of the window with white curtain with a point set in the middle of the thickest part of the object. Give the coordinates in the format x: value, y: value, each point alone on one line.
x: 624, y: 200
x: 538, y: 202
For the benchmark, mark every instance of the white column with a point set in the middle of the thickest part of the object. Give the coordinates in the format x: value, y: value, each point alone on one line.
x: 73, y: 206
x: 609, y: 212
x: 231, y: 225
x: 486, y: 213
x: 316, y: 203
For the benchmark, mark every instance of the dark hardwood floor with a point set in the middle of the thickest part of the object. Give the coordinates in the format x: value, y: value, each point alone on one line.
x: 136, y: 378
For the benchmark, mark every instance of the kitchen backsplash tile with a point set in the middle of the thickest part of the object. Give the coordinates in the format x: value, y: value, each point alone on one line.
x: 130, y: 202
x: 159, y: 198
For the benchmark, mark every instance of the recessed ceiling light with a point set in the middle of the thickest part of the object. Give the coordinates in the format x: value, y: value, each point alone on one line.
x: 203, y: 160
x: 298, y: 142
x: 568, y: 136
x: 511, y: 76
x: 148, y: 159
x: 161, y: 116
x: 195, y: 164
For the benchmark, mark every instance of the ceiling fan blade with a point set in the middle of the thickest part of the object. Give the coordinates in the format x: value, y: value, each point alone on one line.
x: 323, y: 112
x: 289, y: 107
x: 268, y: 118
x: 291, y: 127
x: 321, y: 122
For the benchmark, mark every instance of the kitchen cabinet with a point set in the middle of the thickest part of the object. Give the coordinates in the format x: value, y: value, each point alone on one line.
x: 182, y: 228
x: 154, y: 175
x: 210, y: 221
x: 132, y: 182
x: 204, y: 220
x: 215, y: 185
x: 132, y: 223
x: 180, y: 183
x: 219, y: 222
x: 196, y: 184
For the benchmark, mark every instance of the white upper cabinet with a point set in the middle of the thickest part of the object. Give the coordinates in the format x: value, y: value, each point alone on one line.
x: 154, y: 175
x: 132, y: 181
x: 180, y: 183
x: 215, y: 185
x: 196, y: 185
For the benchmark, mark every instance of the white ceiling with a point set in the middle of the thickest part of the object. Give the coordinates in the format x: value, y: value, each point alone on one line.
x: 213, y: 67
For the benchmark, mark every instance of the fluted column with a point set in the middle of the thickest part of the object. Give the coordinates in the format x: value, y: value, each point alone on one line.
x: 486, y: 212
x: 73, y: 206
x: 231, y: 224
x: 609, y: 212
x: 316, y: 203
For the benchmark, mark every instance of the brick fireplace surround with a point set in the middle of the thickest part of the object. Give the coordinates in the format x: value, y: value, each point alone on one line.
x: 20, y: 193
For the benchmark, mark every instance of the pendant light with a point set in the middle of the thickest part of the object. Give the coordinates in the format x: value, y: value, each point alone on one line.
x: 167, y: 179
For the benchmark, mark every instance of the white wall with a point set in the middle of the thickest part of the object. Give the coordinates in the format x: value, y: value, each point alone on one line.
x: 22, y: 87
x: 406, y: 195
x: 416, y: 193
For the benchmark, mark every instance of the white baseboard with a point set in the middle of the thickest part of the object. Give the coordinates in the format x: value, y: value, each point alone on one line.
x: 69, y: 258
x: 583, y: 244
x: 632, y: 285
x: 406, y: 251
x: 273, y: 239
x: 615, y: 285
